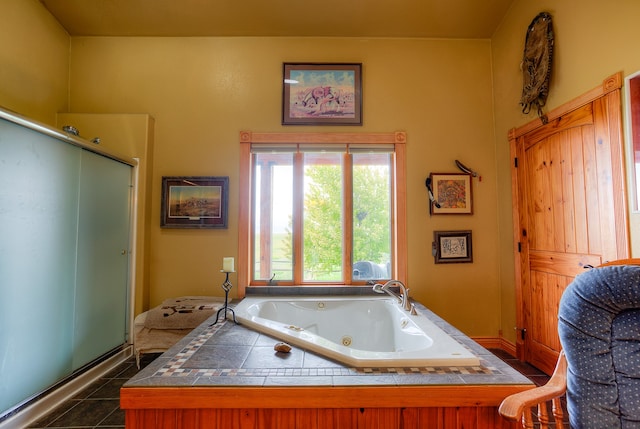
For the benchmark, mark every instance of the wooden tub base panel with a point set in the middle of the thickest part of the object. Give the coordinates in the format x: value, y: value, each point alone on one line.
x: 382, y: 407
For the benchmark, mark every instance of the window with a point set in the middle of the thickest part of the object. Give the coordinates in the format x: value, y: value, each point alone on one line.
x: 632, y: 85
x: 321, y: 208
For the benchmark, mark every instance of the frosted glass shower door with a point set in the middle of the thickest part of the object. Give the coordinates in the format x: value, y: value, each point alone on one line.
x: 64, y: 258
x: 103, y: 255
x: 38, y: 227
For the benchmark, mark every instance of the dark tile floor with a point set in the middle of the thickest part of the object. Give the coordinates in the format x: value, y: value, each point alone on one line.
x: 531, y: 372
x: 97, y: 406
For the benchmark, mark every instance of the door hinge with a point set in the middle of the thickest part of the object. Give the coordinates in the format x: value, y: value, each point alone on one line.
x: 515, y: 162
x: 519, y: 247
x: 523, y: 331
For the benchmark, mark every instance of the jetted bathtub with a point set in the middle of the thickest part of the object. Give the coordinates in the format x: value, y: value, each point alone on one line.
x: 355, y: 330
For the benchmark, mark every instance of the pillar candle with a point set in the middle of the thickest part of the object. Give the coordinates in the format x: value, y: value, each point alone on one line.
x: 227, y: 265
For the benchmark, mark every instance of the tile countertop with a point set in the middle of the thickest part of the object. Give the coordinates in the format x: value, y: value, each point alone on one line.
x: 227, y: 354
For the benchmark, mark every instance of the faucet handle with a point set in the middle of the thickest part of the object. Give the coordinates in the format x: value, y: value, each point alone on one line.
x: 413, y: 310
x: 406, y: 304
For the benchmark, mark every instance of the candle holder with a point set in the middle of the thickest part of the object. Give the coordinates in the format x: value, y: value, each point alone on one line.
x: 226, y: 286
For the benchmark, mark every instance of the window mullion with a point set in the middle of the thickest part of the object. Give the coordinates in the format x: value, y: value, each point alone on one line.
x: 347, y: 219
x: 399, y: 213
x: 298, y: 213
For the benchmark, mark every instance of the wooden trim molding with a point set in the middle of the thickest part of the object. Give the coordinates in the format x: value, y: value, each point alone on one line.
x: 244, y: 209
x: 315, y: 397
x: 397, y: 137
x: 249, y: 138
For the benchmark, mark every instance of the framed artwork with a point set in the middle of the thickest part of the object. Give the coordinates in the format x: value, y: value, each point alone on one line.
x: 322, y: 94
x: 194, y: 202
x: 451, y: 193
x: 452, y: 247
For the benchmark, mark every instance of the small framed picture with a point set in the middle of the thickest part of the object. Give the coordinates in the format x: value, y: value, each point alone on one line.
x: 452, y: 247
x: 194, y: 202
x: 322, y: 94
x: 452, y: 193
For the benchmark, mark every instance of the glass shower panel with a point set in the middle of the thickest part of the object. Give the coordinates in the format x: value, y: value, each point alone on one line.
x: 103, y: 255
x: 38, y: 219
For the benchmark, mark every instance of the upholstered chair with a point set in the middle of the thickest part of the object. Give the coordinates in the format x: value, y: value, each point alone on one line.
x: 599, y: 329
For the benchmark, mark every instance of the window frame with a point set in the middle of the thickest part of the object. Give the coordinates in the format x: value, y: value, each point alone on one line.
x: 250, y: 139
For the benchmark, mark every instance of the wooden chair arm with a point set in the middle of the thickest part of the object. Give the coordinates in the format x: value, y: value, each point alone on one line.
x: 514, y: 405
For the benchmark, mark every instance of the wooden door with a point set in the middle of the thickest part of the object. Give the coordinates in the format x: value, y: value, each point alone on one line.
x: 569, y: 211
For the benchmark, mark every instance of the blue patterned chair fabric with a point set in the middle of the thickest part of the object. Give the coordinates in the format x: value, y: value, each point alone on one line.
x: 599, y: 328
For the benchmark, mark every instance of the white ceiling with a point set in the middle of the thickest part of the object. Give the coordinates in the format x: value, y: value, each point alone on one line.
x: 340, y: 18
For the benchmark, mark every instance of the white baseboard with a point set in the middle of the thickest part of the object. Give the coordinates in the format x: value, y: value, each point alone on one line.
x: 48, y: 403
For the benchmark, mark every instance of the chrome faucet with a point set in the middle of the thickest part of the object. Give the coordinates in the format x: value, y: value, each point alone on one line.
x: 403, y: 298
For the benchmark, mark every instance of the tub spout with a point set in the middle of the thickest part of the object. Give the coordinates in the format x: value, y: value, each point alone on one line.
x: 403, y: 298
x: 384, y: 288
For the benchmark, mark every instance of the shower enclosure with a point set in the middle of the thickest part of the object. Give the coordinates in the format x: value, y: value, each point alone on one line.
x: 65, y: 216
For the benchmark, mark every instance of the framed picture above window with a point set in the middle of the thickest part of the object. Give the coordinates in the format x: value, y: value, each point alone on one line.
x: 194, y: 202
x: 452, y: 247
x: 322, y: 94
x: 452, y: 193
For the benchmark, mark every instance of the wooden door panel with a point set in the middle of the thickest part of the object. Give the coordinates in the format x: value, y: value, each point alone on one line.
x: 568, y: 177
x: 537, y: 332
x: 546, y: 290
x: 577, y: 118
x: 576, y: 179
x: 591, y: 194
x: 605, y: 182
x: 557, y: 191
x: 563, y: 203
x: 552, y: 228
x: 537, y: 198
x: 546, y: 215
x: 569, y: 218
x: 566, y: 264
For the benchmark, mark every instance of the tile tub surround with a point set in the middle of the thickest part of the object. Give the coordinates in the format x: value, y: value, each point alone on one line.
x: 228, y: 366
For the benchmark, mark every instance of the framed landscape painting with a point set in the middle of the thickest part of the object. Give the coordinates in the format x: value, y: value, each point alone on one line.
x: 194, y: 202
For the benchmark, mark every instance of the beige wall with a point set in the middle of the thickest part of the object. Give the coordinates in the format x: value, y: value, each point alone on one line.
x: 203, y: 91
x: 593, y: 40
x: 34, y: 61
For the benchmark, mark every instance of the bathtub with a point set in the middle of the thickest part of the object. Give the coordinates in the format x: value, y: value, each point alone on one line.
x: 355, y: 330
